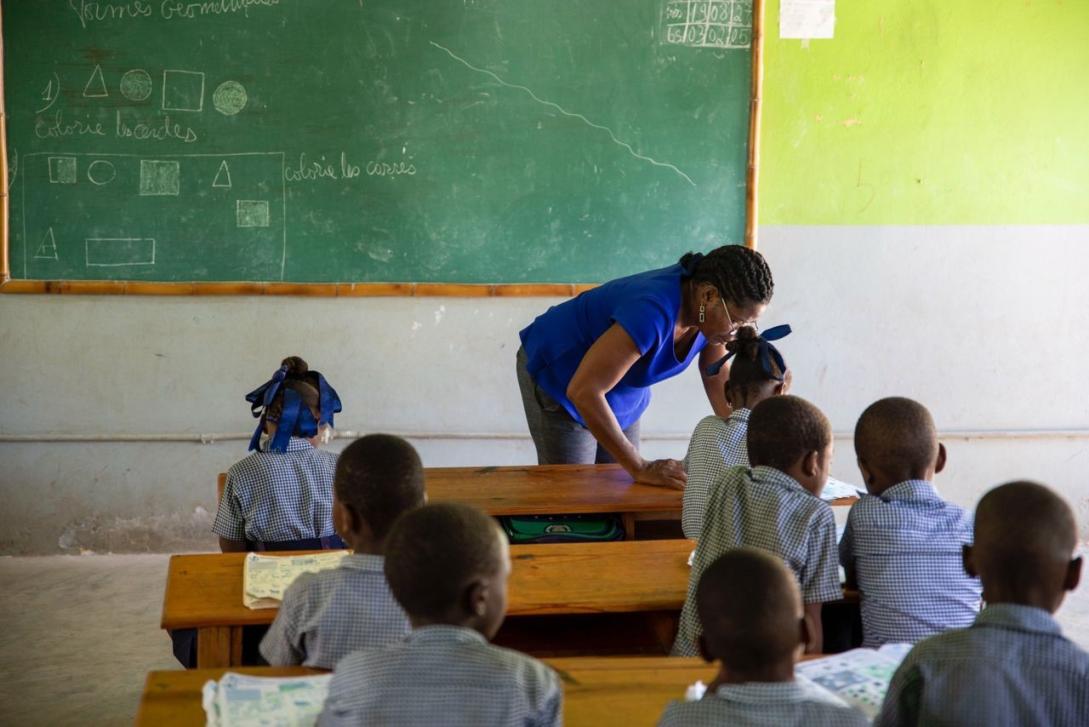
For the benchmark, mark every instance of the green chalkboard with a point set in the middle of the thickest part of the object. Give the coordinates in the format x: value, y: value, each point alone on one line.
x: 472, y: 141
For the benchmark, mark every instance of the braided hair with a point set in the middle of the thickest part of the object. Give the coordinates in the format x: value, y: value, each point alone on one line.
x: 739, y: 274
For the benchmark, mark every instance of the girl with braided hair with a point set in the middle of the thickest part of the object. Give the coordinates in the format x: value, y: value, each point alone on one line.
x: 758, y: 372
x: 586, y: 366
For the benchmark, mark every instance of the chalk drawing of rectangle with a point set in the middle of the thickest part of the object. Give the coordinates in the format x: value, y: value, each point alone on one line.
x: 252, y: 213
x: 115, y: 252
x: 62, y: 170
x: 183, y: 90
x: 159, y: 178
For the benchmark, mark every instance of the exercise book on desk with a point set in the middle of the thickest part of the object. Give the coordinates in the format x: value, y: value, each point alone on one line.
x: 857, y: 678
x: 265, y: 578
x: 238, y: 700
x: 836, y: 489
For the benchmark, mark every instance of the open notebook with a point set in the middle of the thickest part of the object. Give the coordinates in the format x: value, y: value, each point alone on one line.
x: 266, y: 577
x: 237, y: 700
x: 835, y: 489
x: 857, y: 678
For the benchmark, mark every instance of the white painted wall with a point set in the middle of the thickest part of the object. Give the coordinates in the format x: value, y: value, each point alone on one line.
x: 985, y: 325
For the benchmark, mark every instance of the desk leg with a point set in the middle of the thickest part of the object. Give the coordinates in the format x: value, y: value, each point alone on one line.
x: 663, y: 624
x: 219, y: 647
x: 628, y: 520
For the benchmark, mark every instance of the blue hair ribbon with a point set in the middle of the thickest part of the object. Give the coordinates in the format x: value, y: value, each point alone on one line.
x: 766, y: 353
x: 296, y: 419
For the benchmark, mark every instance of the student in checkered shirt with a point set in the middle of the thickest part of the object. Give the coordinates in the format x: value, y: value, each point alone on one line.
x: 902, y: 543
x: 774, y: 506
x: 447, y: 565
x: 718, y: 443
x: 753, y: 624
x: 281, y: 496
x: 327, y: 615
x: 1012, y: 666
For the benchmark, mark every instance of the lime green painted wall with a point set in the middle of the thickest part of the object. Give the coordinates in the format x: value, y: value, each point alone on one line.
x: 930, y: 112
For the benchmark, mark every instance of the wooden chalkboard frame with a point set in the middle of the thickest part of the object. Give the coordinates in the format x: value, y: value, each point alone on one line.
x: 356, y: 290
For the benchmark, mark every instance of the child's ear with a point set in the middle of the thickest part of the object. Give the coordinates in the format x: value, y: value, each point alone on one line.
x: 1073, y: 574
x: 939, y: 464
x: 811, y: 463
x: 701, y: 646
x: 476, y: 599
x: 969, y: 563
x: 783, y: 387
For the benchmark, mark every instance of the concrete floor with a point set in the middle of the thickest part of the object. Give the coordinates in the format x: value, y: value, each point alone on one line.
x: 81, y: 632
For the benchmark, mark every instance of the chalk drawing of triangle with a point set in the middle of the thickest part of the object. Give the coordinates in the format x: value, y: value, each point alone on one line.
x: 47, y: 250
x: 223, y: 176
x: 96, y: 85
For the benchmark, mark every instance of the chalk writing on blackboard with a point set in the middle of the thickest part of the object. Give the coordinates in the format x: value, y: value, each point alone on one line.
x: 565, y: 112
x: 707, y: 23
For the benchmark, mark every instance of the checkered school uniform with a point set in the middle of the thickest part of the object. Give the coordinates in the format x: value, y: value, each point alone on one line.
x: 277, y: 496
x: 327, y: 615
x: 767, y: 509
x: 904, y: 548
x: 1011, y: 667
x: 716, y: 445
x: 760, y: 703
x: 443, y: 675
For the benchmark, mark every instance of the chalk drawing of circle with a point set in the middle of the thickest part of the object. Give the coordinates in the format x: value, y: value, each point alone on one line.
x: 101, y: 172
x: 136, y: 85
x: 229, y: 98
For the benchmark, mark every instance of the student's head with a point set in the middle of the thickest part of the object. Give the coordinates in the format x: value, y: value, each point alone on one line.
x: 448, y: 564
x: 758, y: 370
x: 732, y: 285
x: 751, y: 611
x: 295, y: 402
x: 1025, y: 537
x: 895, y: 440
x: 378, y: 478
x: 793, y: 436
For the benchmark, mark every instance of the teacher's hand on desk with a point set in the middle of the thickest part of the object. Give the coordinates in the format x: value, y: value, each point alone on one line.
x: 662, y: 472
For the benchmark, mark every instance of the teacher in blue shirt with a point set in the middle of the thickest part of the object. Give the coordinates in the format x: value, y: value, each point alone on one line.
x: 585, y: 366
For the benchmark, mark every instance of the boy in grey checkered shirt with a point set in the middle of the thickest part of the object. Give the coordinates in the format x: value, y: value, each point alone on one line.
x: 753, y: 623
x: 774, y: 506
x: 448, y: 566
x: 329, y: 614
x: 757, y: 373
x: 902, y: 543
x: 1012, y: 666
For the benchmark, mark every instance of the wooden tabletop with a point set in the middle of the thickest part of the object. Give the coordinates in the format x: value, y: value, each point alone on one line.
x: 554, y: 489
x: 630, y: 691
x: 557, y: 578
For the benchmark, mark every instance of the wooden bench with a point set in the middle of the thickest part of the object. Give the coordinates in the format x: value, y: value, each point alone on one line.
x: 567, y: 489
x: 204, y: 591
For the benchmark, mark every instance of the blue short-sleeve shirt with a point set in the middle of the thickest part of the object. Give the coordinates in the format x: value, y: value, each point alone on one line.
x: 645, y: 305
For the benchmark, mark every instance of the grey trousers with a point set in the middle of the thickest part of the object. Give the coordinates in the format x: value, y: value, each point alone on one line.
x: 559, y: 439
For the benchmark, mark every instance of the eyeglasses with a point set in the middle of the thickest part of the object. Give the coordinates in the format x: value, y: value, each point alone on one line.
x: 740, y: 324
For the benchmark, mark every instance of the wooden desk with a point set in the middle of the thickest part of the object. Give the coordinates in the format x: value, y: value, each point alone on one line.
x: 205, y: 591
x: 631, y: 691
x: 568, y: 489
x: 173, y: 697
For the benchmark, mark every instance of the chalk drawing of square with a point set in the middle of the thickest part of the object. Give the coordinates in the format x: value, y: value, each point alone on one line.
x: 115, y: 252
x: 62, y: 170
x: 252, y: 212
x: 159, y: 178
x: 183, y: 91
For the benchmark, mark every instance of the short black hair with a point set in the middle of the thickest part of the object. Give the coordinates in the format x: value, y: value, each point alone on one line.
x: 1025, y: 532
x: 783, y: 429
x: 434, y: 552
x: 897, y: 436
x: 379, y: 477
x: 750, y: 608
